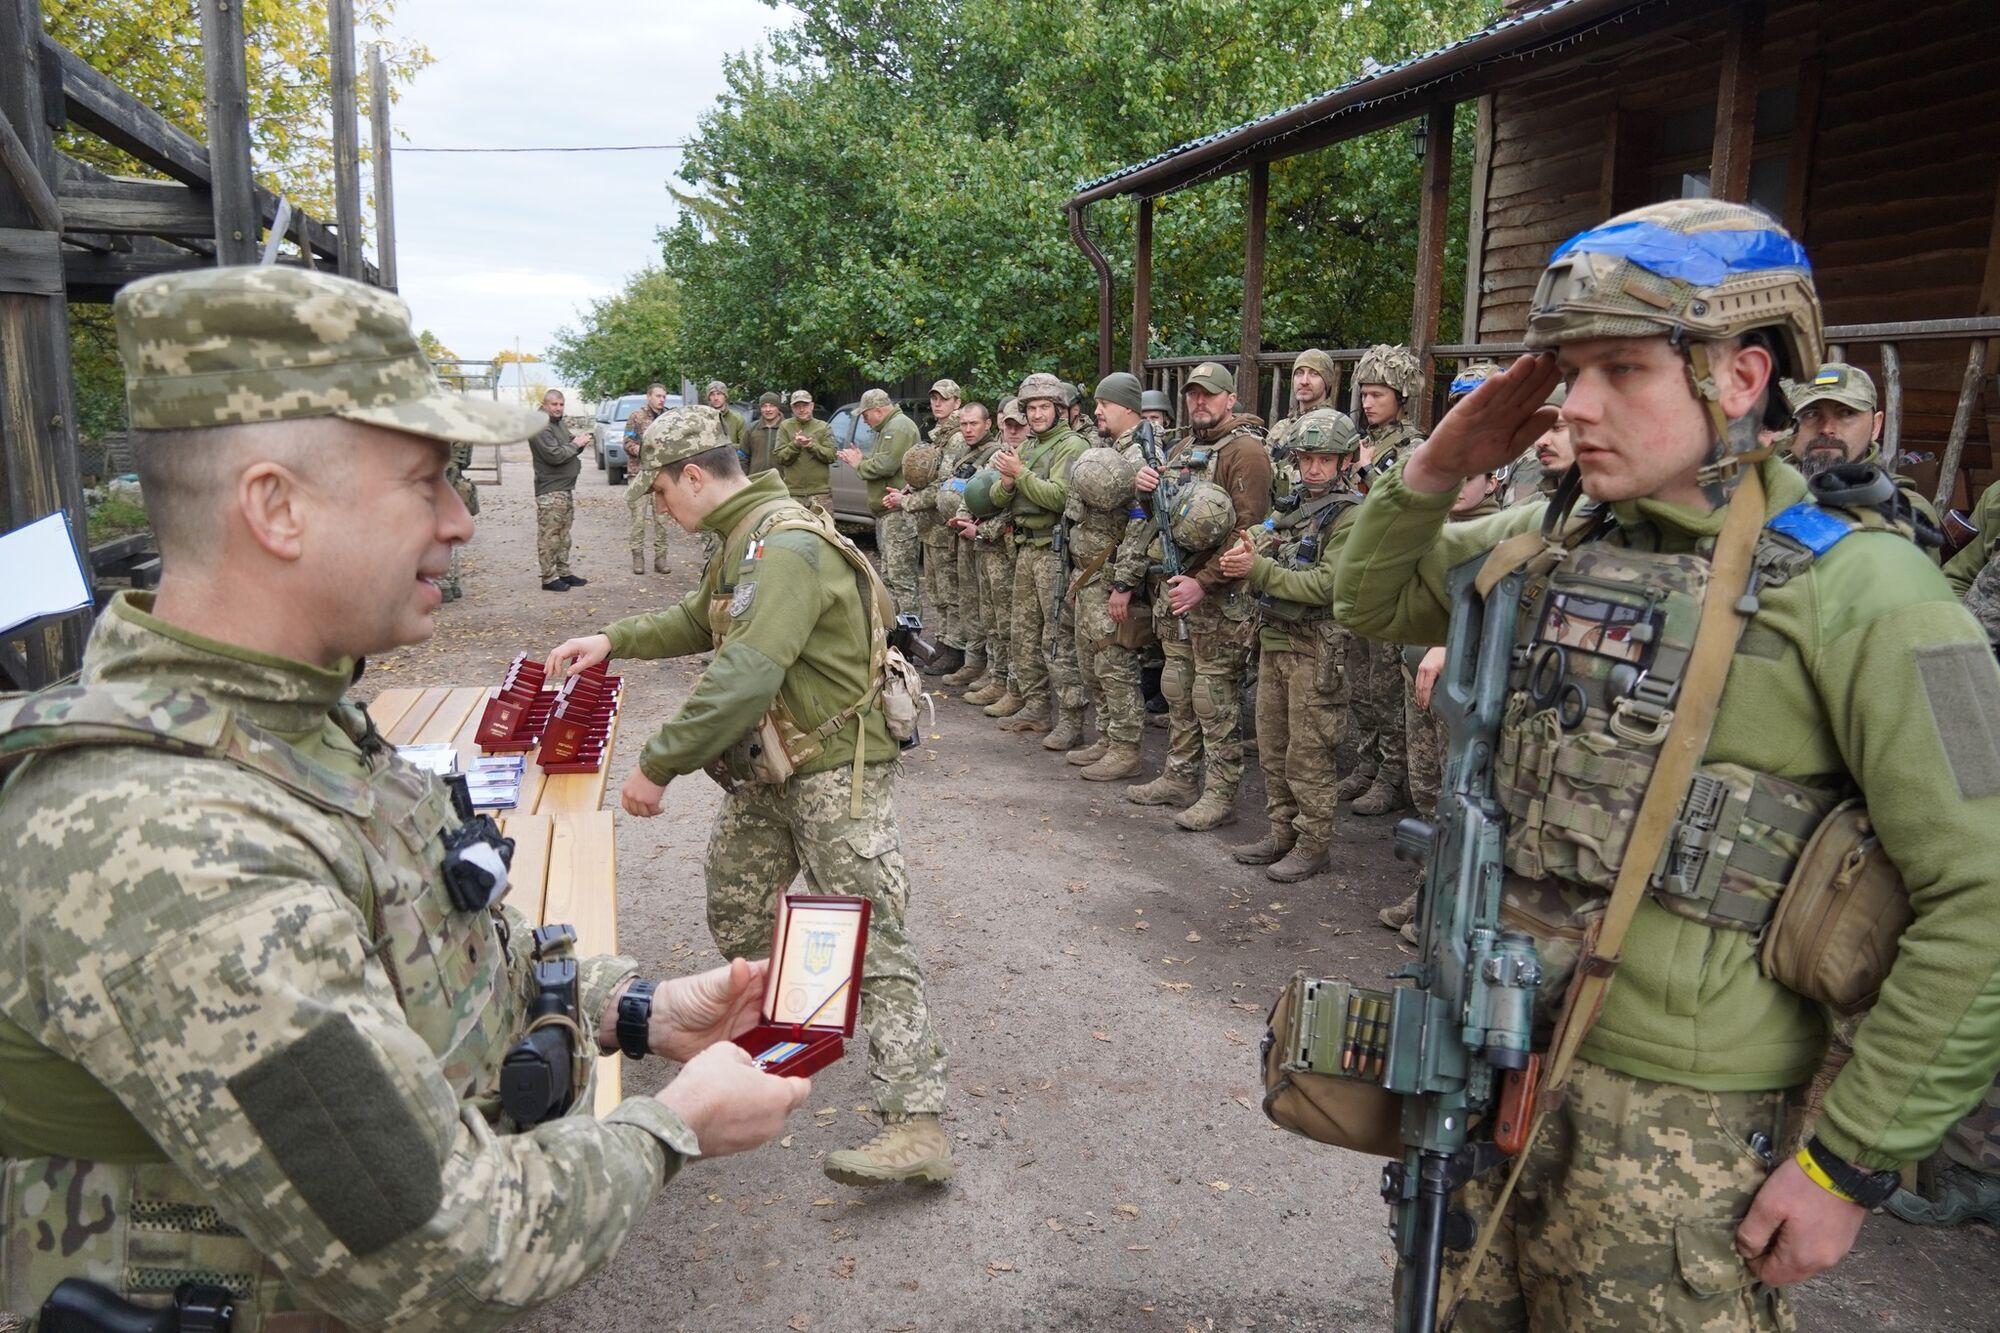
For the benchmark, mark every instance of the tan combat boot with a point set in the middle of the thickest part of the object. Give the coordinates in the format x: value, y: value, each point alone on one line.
x: 1028, y: 719
x: 1090, y: 754
x: 1166, y: 789
x: 659, y: 561
x: 1353, y: 785
x: 1305, y: 860
x: 985, y: 691
x: 1379, y: 799
x: 1006, y: 705
x: 909, y: 1149
x: 1212, y: 811
x: 1268, y: 848
x: 1120, y: 761
x: 638, y: 562
x: 1068, y: 733
x: 974, y: 668
x: 1395, y: 918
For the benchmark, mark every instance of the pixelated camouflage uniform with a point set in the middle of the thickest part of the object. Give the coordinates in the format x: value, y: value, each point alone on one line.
x: 976, y: 613
x: 994, y: 553
x: 785, y: 597
x: 642, y: 514
x: 468, y: 494
x: 1042, y: 662
x: 557, y: 465
x: 1375, y: 670
x: 935, y: 540
x: 895, y: 534
x: 1110, y: 672
x: 1423, y: 729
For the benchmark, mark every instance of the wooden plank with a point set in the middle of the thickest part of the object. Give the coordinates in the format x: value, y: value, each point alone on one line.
x: 19, y: 164
x: 1255, y: 211
x: 1961, y: 422
x: 1433, y: 224
x: 528, y: 873
x: 135, y: 207
x: 346, y: 136
x: 96, y: 103
x: 31, y: 261
x: 583, y: 890
x: 1475, y: 218
x: 385, y: 191
x: 227, y: 98
x: 388, y: 707
x: 1142, y: 289
x: 409, y: 724
x: 464, y: 741
x: 449, y: 719
x: 1805, y: 134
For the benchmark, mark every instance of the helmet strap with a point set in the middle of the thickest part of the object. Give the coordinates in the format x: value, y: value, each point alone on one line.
x: 1734, y: 442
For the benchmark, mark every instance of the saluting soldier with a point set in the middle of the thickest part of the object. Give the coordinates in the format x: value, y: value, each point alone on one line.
x: 1662, y: 1190
x: 795, y: 650
x: 253, y: 1008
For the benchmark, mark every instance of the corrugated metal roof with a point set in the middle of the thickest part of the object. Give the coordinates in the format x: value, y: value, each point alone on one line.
x: 1497, y: 26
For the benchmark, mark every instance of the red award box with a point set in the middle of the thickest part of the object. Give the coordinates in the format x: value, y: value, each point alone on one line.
x: 813, y: 991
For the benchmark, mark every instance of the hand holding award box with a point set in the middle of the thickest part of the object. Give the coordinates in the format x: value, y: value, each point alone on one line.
x: 813, y: 991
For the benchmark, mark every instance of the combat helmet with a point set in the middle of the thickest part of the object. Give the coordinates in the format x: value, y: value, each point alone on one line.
x: 1102, y: 478
x: 1326, y: 431
x: 1470, y: 377
x: 1393, y: 365
x: 1156, y: 400
x: 979, y: 499
x: 920, y: 464
x: 1697, y: 271
x: 1041, y: 384
x: 1201, y: 517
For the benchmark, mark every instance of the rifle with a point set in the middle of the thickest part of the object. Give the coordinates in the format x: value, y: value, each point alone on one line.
x: 1147, y: 437
x: 1059, y: 545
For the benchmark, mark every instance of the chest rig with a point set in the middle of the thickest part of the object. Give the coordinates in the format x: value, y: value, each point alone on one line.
x: 1300, y: 537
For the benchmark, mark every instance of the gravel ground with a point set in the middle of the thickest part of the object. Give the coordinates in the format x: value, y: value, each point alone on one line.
x: 1100, y: 980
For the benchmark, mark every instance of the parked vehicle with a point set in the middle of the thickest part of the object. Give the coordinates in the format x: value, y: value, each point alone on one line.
x: 613, y: 454
x: 850, y: 492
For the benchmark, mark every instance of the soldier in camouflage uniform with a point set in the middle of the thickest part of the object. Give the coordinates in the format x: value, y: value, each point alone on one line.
x: 975, y: 424
x: 993, y: 548
x: 795, y: 652
x: 1836, y: 421
x: 1314, y: 379
x: 249, y: 1038
x: 638, y: 504
x: 1974, y: 572
x: 1034, y: 489
x: 1538, y: 471
x: 557, y: 456
x: 1102, y: 504
x: 1301, y: 681
x: 940, y: 561
x: 882, y: 469
x: 1660, y: 1192
x: 468, y: 494
x: 1203, y: 618
x: 1387, y: 380
x: 717, y: 397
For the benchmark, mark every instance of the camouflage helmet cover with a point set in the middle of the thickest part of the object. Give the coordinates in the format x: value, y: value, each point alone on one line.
x: 1202, y: 517
x: 679, y: 433
x: 1041, y: 384
x: 1325, y: 431
x: 920, y: 464
x: 1394, y: 365
x: 979, y: 499
x: 1102, y: 478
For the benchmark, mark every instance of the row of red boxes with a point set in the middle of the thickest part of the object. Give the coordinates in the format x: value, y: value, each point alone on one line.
x: 571, y: 724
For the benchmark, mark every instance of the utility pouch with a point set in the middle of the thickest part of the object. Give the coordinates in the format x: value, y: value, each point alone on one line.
x: 1136, y: 630
x: 1841, y: 917
x: 80, y: 1306
x: 1324, y: 1051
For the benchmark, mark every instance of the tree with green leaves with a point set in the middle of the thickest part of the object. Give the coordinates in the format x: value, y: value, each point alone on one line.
x: 626, y: 341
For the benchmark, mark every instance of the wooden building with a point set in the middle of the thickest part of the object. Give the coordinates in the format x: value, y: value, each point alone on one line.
x: 1864, y: 124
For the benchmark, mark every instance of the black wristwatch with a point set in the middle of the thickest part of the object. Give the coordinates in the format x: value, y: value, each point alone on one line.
x: 1870, y: 1189
x: 635, y: 1018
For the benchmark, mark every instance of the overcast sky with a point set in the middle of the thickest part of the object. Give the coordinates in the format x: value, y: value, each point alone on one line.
x: 497, y: 247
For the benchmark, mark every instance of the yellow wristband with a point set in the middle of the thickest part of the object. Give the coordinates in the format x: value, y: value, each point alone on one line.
x: 1819, y: 1177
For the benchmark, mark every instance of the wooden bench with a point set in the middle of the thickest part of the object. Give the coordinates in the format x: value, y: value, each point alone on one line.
x: 565, y: 860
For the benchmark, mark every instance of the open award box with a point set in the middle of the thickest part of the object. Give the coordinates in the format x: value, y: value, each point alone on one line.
x: 813, y: 991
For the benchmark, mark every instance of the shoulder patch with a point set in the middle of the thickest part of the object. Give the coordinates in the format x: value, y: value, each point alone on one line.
x: 1811, y: 526
x: 739, y: 601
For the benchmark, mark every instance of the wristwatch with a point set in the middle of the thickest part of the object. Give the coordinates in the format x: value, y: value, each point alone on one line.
x: 635, y: 1017
x: 1870, y: 1189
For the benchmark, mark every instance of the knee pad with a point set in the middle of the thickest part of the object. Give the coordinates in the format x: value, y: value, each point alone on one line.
x: 1211, y: 697
x: 1177, y: 679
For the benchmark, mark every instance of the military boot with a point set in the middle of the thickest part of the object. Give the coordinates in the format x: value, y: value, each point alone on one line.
x: 1167, y: 789
x: 985, y: 691
x: 1090, y: 754
x: 1268, y: 848
x: 659, y: 561
x: 1396, y: 917
x: 638, y: 562
x: 946, y: 662
x: 1028, y: 718
x: 1379, y: 799
x: 1215, y: 808
x: 910, y: 1149
x: 974, y: 668
x: 1353, y: 785
x: 1305, y: 860
x: 1006, y: 705
x: 1959, y: 1194
x: 1068, y: 733
x: 1119, y: 761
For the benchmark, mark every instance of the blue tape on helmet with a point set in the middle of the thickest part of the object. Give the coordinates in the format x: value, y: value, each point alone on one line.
x: 1466, y: 383
x: 1701, y: 258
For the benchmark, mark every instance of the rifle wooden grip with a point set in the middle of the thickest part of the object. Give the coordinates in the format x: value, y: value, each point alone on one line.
x: 1516, y: 1112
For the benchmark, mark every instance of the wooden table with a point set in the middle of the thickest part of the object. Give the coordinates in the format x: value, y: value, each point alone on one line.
x: 565, y: 864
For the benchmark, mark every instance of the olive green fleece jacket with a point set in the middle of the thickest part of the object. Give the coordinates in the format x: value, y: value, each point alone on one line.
x: 883, y: 468
x: 1861, y: 670
x: 1964, y: 567
x: 800, y: 631
x: 806, y: 467
x: 1038, y: 496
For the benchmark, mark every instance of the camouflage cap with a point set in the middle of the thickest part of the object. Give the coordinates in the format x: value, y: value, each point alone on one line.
x: 1211, y: 378
x: 1011, y: 410
x: 1041, y: 384
x: 715, y: 386
x: 679, y: 433
x: 875, y: 398
x: 947, y: 388
x: 1836, y: 381
x: 800, y: 396
x: 226, y: 346
x: 1120, y: 387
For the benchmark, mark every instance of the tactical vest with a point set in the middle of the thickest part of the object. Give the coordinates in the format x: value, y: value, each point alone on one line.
x: 1032, y: 522
x: 1301, y: 540
x: 454, y: 975
x: 1198, y: 462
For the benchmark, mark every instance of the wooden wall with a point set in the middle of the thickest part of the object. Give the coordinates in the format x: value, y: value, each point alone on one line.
x: 1893, y: 164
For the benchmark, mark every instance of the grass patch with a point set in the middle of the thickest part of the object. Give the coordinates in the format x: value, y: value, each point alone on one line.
x: 116, y: 516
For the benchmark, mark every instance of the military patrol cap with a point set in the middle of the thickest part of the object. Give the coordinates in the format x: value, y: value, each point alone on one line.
x: 1121, y: 388
x: 947, y: 388
x: 768, y: 400
x: 800, y: 396
x: 1011, y: 410
x: 1211, y: 378
x: 1041, y: 384
x: 227, y: 346
x: 875, y: 398
x: 715, y: 386
x: 1838, y: 382
x: 679, y: 433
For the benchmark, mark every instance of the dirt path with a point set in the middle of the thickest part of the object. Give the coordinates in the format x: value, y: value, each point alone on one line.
x: 1100, y: 980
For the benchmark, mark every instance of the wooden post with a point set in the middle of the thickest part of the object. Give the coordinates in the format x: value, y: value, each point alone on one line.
x: 1434, y: 212
x: 234, y: 195
x: 1142, y: 289
x: 38, y: 469
x: 346, y: 136
x: 1961, y: 423
x: 385, y: 190
x: 1475, y: 221
x: 1253, y: 282
x: 1892, y: 402
x: 1736, y: 102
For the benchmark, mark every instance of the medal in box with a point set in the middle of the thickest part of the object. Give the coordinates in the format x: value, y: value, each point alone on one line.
x: 813, y: 991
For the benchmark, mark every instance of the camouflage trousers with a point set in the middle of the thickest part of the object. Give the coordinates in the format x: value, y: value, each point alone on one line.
x: 1983, y: 600
x: 1301, y: 717
x: 1110, y: 673
x: 449, y: 584
x: 1375, y: 709
x: 1203, y: 684
x: 1424, y: 742
x: 996, y: 600
x: 1042, y: 654
x: 971, y: 596
x: 1975, y: 1140
x: 642, y: 517
x: 896, y: 553
x: 940, y: 582
x: 1626, y: 1214
x: 554, y: 514
x: 762, y: 837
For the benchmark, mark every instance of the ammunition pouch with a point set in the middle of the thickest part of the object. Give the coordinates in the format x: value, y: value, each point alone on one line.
x: 1735, y: 846
x: 1838, y: 924
x: 1312, y: 1026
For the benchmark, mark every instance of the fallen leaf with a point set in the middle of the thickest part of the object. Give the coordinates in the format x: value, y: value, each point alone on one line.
x: 1177, y: 987
x: 977, y: 1090
x: 1232, y: 1037
x: 1194, y: 937
x: 1245, y: 1004
x: 997, y: 1267
x: 1219, y: 1186
x: 1244, y: 1102
x: 1102, y: 1036
x: 827, y: 1110
x: 1139, y: 925
x: 715, y: 1198
x: 821, y: 1203
x: 785, y: 1142
x: 799, y: 1322
x: 1078, y: 886
x: 1053, y: 1225
x: 1129, y: 1210
x: 843, y: 1267
x: 1138, y: 1247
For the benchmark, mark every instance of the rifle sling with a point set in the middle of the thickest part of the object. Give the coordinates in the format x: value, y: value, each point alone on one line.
x: 1687, y: 737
